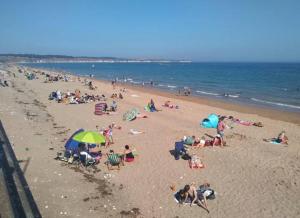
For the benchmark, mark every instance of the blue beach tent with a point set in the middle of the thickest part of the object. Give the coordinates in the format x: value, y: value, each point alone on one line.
x: 72, y: 145
x: 210, y: 122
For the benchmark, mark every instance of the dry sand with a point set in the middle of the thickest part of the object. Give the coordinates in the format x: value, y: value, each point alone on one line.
x: 252, y: 178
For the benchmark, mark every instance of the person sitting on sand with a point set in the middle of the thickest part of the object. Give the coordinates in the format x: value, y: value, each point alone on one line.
x: 113, y: 106
x: 217, y: 140
x: 120, y: 96
x: 190, y: 191
x: 127, y: 154
x: 151, y: 106
x: 281, y: 139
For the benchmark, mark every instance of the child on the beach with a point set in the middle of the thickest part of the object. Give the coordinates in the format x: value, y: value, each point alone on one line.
x: 220, y: 130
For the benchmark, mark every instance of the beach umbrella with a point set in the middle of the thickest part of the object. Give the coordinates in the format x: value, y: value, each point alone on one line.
x: 89, y: 137
x: 130, y: 115
x: 71, y: 144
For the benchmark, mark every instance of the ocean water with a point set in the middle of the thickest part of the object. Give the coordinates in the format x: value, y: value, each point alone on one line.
x: 275, y: 85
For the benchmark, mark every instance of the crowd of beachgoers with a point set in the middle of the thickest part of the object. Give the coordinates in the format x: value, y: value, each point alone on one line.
x: 84, y: 148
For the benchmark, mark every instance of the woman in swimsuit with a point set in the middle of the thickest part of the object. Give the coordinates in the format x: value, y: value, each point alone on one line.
x: 127, y: 154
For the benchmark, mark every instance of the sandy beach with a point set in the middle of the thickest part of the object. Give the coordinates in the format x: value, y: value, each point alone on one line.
x: 252, y: 178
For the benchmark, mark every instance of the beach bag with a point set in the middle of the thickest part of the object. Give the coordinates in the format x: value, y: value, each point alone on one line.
x: 207, y: 192
x: 186, y: 157
x: 195, y: 162
x: 189, y: 140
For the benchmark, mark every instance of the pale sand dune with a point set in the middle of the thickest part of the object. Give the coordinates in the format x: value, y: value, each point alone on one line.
x: 252, y: 178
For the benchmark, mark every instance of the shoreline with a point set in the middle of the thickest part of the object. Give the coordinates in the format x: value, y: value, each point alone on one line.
x: 287, y: 116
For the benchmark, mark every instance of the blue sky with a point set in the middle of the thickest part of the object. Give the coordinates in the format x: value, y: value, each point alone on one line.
x: 200, y: 30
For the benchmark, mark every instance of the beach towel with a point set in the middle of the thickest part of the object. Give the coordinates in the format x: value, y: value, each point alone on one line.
x: 134, y: 132
x: 130, y: 115
x: 274, y: 142
x: 147, y: 108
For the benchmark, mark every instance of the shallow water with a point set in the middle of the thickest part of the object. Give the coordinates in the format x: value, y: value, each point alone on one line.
x: 275, y: 85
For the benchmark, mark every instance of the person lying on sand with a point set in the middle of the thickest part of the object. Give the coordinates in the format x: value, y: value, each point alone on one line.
x: 281, y: 139
x: 169, y: 105
x: 214, y: 141
x: 243, y: 122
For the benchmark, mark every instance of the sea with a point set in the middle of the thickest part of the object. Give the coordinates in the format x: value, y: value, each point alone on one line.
x: 271, y: 85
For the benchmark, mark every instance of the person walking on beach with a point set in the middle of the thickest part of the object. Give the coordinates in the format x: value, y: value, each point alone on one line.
x: 220, y: 130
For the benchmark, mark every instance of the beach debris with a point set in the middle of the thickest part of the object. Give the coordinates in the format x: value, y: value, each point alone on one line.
x: 26, y: 149
x: 46, y: 206
x: 134, y: 96
x: 173, y: 187
x: 135, y: 132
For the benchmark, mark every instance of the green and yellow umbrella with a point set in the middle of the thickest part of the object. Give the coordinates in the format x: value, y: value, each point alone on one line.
x: 89, y: 137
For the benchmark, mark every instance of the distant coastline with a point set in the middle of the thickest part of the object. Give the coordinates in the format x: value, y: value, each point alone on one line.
x: 35, y: 58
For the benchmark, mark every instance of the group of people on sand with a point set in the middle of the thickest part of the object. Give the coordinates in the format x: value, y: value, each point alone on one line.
x: 55, y: 78
x: 115, y: 159
x: 75, y: 98
x: 115, y: 96
x: 192, y: 195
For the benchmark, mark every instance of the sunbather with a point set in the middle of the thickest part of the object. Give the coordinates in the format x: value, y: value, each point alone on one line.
x: 169, y: 105
x: 281, y: 139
